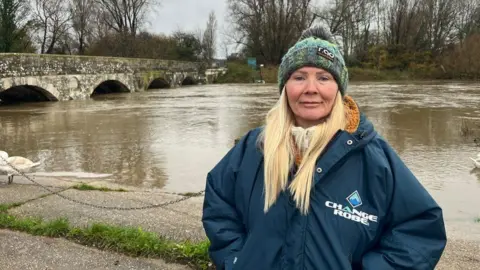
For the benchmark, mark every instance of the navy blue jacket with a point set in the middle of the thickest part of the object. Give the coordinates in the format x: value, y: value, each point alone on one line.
x: 367, y: 211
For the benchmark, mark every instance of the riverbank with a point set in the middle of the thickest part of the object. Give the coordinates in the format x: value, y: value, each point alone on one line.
x: 242, y: 73
x: 166, y: 237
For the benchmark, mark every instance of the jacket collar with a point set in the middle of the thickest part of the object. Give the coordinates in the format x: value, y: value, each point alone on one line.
x: 343, y: 144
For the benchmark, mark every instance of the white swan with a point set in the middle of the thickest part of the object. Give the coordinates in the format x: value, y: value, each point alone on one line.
x: 476, y: 161
x: 21, y: 164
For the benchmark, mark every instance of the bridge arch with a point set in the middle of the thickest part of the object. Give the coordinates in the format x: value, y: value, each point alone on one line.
x: 189, y: 80
x: 110, y: 86
x: 158, y: 83
x: 26, y: 93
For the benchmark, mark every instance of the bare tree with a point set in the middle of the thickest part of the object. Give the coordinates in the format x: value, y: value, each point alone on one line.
x: 421, y: 25
x: 406, y: 27
x: 82, y: 14
x: 100, y: 27
x: 267, y: 28
x: 352, y: 19
x: 334, y: 13
x: 356, y: 32
x: 208, y: 40
x: 468, y: 18
x: 439, y: 20
x: 52, y: 19
x: 124, y: 16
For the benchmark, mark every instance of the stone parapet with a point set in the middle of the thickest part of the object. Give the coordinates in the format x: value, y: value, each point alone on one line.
x: 21, y: 65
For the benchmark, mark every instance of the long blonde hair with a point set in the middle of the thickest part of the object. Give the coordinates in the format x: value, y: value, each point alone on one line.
x: 279, y: 151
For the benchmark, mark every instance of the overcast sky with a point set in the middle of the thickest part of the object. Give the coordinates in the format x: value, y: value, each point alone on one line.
x: 191, y: 15
x: 188, y: 15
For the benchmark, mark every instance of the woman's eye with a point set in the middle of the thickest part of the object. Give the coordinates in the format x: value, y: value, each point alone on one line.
x: 298, y: 78
x: 324, y: 78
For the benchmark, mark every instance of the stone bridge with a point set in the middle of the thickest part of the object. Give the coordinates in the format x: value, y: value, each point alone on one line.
x: 36, y: 77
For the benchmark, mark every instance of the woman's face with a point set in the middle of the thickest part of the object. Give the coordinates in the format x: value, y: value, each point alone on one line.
x: 311, y: 94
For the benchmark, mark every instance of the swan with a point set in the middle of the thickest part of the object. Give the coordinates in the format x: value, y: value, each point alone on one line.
x: 3, y: 158
x: 21, y: 164
x: 476, y: 161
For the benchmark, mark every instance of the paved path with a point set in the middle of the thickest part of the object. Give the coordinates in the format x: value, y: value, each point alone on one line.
x: 178, y: 222
x: 20, y: 251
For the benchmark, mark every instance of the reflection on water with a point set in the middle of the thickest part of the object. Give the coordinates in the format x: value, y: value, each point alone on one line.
x: 165, y: 139
x: 171, y: 138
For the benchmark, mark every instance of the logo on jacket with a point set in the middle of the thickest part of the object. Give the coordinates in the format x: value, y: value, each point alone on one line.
x: 354, y: 199
x: 351, y: 213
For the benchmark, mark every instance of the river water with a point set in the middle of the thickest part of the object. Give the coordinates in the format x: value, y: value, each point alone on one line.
x: 170, y: 138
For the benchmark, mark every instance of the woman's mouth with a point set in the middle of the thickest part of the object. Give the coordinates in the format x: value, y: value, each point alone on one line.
x: 310, y: 104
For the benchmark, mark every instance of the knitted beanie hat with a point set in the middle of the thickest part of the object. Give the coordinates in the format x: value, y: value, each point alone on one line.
x: 315, y: 48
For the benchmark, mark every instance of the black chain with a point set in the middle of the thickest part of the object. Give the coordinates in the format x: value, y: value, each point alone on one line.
x: 102, y: 206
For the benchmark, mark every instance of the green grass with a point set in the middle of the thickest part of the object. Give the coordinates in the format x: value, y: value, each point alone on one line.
x: 127, y: 240
x: 240, y: 72
x: 363, y: 74
x: 89, y: 187
x: 137, y: 242
x: 35, y: 226
x: 237, y: 73
x: 5, y: 207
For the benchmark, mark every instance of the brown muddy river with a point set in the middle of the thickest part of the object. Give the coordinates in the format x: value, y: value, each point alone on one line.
x: 169, y: 139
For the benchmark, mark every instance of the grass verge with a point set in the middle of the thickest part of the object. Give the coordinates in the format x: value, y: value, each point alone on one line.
x: 240, y: 72
x: 89, y: 187
x: 127, y: 240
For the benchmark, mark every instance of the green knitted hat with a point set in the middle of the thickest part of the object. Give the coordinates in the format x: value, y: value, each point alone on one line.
x: 315, y: 48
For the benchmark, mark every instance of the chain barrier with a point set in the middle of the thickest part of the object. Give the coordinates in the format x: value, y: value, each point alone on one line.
x: 191, y: 195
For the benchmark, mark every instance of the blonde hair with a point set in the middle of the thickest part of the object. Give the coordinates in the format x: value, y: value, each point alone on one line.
x: 279, y: 151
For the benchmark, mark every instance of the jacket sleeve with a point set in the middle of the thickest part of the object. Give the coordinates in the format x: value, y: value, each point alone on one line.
x: 414, y: 235
x: 221, y: 220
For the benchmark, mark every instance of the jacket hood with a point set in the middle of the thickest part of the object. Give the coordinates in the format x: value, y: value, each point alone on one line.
x: 358, y: 124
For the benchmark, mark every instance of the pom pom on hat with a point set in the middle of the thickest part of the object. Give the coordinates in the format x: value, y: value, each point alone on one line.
x: 318, y: 32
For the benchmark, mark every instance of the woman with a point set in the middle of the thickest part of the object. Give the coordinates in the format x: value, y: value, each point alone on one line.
x: 317, y: 187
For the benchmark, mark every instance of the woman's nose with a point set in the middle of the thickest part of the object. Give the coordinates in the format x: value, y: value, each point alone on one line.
x: 311, y: 86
